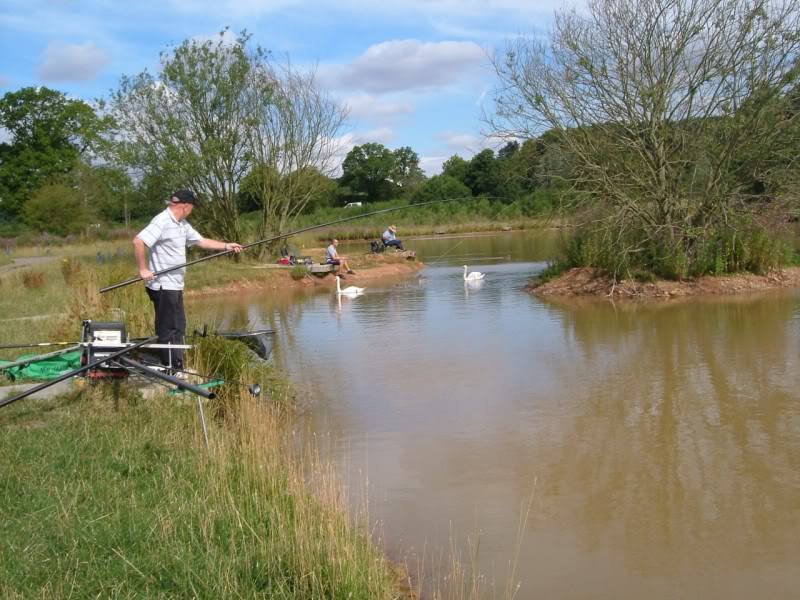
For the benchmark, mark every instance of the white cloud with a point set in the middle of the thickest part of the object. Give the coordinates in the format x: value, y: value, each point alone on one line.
x: 72, y: 62
x: 461, y: 143
x: 432, y: 165
x: 366, y: 106
x: 381, y: 135
x: 400, y: 65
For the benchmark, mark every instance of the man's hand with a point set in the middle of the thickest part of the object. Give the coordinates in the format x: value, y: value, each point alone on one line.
x: 146, y: 275
x: 233, y: 246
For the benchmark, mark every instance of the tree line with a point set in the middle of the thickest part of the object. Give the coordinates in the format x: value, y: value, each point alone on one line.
x: 667, y: 128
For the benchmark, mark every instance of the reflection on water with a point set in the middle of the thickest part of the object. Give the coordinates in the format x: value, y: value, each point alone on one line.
x: 662, y: 442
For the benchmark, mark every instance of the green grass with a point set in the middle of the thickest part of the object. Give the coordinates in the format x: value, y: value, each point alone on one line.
x: 126, y: 502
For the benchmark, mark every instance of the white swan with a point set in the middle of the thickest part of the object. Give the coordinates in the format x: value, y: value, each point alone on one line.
x: 474, y: 276
x: 348, y: 291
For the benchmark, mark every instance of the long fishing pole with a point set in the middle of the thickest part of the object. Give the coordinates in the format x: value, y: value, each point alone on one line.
x: 41, y: 357
x: 37, y: 345
x: 272, y: 239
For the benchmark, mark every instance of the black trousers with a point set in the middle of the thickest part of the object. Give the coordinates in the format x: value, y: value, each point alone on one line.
x: 170, y: 323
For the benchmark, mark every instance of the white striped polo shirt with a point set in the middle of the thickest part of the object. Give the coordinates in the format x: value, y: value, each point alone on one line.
x: 167, y: 239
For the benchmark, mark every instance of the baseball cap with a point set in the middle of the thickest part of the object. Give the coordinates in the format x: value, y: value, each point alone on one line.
x: 186, y: 197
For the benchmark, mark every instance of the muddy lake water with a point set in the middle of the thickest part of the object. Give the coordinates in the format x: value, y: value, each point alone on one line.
x: 634, y: 450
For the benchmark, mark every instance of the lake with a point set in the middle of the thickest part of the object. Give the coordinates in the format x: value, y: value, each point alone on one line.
x: 635, y: 450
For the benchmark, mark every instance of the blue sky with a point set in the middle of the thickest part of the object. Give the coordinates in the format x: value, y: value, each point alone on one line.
x: 413, y: 72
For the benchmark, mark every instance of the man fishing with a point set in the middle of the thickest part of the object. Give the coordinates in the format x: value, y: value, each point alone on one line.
x: 167, y: 237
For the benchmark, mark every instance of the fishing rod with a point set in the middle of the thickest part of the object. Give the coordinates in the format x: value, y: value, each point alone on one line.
x: 273, y: 239
x: 38, y: 345
x: 41, y: 357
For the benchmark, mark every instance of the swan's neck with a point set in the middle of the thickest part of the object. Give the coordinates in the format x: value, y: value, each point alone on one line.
x: 338, y: 285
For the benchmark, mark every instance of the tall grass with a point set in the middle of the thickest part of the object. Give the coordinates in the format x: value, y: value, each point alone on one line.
x: 128, y: 503
x: 744, y: 246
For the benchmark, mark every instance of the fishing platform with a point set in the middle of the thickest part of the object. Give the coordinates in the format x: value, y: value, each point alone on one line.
x: 105, y: 352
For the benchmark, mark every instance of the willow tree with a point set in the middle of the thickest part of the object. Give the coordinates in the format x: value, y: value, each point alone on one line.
x: 665, y: 113
x: 295, y: 145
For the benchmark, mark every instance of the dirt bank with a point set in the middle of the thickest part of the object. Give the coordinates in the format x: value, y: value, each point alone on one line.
x: 592, y: 282
x: 281, y: 278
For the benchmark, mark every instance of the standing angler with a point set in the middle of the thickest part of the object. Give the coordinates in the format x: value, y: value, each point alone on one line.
x: 167, y: 237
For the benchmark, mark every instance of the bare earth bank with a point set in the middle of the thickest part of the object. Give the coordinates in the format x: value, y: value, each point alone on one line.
x: 585, y: 281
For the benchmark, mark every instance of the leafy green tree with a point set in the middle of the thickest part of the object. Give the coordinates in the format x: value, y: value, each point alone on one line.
x: 187, y: 124
x: 370, y: 170
x: 107, y: 190
x: 407, y: 174
x: 456, y: 167
x: 57, y: 210
x: 49, y: 135
x: 483, y: 174
x: 440, y: 187
x: 508, y: 151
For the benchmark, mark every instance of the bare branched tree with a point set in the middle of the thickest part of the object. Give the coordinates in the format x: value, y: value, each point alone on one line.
x: 673, y: 115
x: 295, y: 145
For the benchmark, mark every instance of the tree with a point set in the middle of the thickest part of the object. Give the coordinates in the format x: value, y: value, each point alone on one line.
x: 57, y: 210
x: 440, y: 187
x: 657, y: 106
x: 407, y: 174
x: 49, y: 135
x: 455, y: 167
x: 293, y: 141
x: 106, y: 190
x: 369, y: 170
x: 508, y: 151
x: 483, y: 174
x: 188, y: 124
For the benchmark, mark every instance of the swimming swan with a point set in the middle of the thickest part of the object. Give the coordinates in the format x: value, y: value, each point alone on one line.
x: 474, y: 276
x: 349, y: 291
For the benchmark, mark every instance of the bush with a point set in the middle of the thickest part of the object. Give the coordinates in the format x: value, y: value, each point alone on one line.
x: 298, y: 272
x: 440, y: 187
x: 33, y: 280
x: 57, y: 210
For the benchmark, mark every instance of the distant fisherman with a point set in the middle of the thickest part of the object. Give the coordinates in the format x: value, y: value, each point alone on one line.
x: 389, y: 238
x: 167, y: 237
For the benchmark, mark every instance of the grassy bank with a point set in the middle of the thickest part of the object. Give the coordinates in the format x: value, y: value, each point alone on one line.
x: 105, y: 500
x: 120, y: 498
x: 461, y: 216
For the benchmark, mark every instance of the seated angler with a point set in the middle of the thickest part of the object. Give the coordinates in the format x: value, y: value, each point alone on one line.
x: 333, y: 258
x: 389, y: 238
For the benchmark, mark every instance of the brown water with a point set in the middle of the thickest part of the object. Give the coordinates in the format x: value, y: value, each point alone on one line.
x: 659, y: 445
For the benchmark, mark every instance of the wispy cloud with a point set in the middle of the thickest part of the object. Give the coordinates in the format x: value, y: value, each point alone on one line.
x: 432, y: 165
x: 366, y: 106
x: 72, y: 62
x: 402, y: 65
x: 460, y: 142
x: 381, y: 135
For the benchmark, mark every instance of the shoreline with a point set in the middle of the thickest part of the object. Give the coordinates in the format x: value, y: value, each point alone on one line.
x: 280, y: 278
x: 587, y: 282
